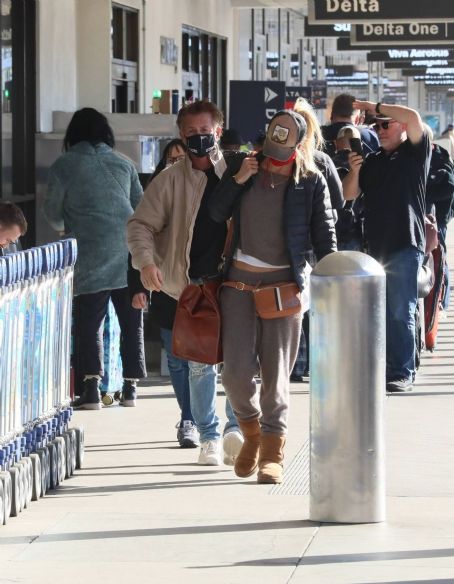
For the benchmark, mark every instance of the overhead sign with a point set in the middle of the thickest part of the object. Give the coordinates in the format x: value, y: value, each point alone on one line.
x: 441, y: 81
x: 319, y: 93
x: 353, y: 78
x: 410, y: 54
x: 358, y: 11
x: 292, y: 93
x: 418, y: 64
x: 253, y: 104
x: 416, y: 33
x: 344, y: 44
x: 326, y: 30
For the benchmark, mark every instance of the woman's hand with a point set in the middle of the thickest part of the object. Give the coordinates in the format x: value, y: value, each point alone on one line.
x: 139, y: 301
x: 249, y: 167
x: 151, y: 277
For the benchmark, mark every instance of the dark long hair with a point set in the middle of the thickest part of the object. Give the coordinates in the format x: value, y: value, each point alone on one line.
x: 88, y: 125
x: 163, y: 162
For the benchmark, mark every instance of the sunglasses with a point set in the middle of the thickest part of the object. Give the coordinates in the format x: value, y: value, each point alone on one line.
x: 385, y: 125
x: 173, y: 159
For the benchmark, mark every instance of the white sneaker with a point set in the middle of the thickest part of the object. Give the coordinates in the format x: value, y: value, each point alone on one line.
x: 232, y: 443
x: 210, y: 453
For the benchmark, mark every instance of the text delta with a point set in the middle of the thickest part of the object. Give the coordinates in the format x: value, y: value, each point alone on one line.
x: 349, y: 6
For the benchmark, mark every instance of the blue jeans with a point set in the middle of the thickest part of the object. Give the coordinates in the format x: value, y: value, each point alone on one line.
x: 179, y: 375
x: 401, y: 297
x: 195, y: 389
x: 352, y: 245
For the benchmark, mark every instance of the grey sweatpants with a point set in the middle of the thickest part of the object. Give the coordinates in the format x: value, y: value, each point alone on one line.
x: 252, y: 346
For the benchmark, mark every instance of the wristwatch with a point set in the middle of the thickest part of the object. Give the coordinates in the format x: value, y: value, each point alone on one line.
x: 377, y: 108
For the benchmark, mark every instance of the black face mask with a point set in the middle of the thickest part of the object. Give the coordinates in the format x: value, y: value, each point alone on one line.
x: 200, y: 144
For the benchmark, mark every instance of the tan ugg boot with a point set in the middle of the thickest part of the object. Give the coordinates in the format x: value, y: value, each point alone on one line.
x: 271, y: 458
x: 247, y: 459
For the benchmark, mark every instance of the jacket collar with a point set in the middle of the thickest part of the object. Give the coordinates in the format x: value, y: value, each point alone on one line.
x: 88, y: 148
x: 217, y: 160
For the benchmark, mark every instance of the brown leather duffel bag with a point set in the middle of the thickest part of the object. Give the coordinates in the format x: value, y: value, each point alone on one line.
x: 197, y: 328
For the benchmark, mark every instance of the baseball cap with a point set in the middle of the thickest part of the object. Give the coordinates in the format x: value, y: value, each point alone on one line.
x: 380, y: 118
x: 286, y: 130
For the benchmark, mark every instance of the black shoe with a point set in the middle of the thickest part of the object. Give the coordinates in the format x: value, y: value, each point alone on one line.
x: 299, y: 378
x: 91, y: 396
x: 296, y: 378
x: 128, y: 394
x: 399, y: 385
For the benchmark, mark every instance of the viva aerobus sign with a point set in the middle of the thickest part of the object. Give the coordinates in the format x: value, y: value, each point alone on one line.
x: 366, y: 11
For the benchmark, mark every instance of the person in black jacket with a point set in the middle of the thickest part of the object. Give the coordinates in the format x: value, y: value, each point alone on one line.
x: 440, y: 197
x: 314, y: 145
x: 280, y: 208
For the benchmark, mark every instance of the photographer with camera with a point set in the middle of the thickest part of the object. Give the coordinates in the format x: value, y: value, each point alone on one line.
x: 393, y: 181
x: 349, y: 229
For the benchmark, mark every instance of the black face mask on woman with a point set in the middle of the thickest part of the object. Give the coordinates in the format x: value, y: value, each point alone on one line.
x: 200, y: 144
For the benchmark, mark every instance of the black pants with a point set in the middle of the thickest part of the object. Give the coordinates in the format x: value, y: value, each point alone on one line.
x: 89, y: 313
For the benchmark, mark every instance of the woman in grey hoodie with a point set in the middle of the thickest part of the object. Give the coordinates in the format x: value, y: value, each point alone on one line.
x: 92, y: 192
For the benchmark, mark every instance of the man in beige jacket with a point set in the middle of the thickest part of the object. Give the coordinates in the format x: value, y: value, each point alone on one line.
x: 174, y: 241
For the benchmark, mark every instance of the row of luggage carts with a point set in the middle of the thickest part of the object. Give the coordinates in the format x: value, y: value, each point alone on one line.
x: 38, y: 449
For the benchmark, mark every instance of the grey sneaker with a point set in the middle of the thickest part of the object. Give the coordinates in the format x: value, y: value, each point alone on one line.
x: 128, y: 394
x: 91, y: 396
x: 187, y: 434
x: 399, y: 385
x: 232, y: 443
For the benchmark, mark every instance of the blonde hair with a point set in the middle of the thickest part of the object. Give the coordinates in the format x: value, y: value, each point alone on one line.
x: 312, y: 141
x: 429, y: 131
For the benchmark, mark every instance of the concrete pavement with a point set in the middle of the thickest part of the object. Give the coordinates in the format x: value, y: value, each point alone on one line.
x: 142, y: 511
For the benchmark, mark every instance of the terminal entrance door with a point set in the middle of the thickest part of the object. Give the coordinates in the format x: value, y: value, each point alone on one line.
x: 125, y: 57
x: 18, y: 106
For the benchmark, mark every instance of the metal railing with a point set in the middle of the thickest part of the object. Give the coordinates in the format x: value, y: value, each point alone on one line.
x: 37, y: 449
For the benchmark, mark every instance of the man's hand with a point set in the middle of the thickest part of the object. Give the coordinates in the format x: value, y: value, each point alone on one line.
x: 366, y: 106
x: 139, y: 301
x: 355, y: 161
x: 151, y: 278
x: 350, y: 182
x: 249, y: 167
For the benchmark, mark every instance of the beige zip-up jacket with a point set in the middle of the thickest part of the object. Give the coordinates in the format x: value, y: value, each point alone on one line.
x: 160, y: 230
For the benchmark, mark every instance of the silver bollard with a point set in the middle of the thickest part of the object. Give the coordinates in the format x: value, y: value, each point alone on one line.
x: 347, y: 388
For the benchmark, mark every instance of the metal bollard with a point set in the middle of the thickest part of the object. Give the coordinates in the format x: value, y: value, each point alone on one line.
x: 347, y: 388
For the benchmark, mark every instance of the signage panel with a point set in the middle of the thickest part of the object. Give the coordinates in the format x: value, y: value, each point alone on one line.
x: 292, y: 93
x: 253, y: 104
x: 414, y: 33
x: 366, y: 11
x: 319, y: 93
x: 326, y: 30
x: 410, y: 54
x: 344, y: 44
x: 423, y: 63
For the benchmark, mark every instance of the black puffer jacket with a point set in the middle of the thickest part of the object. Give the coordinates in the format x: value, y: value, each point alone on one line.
x: 308, y: 216
x: 440, y: 185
